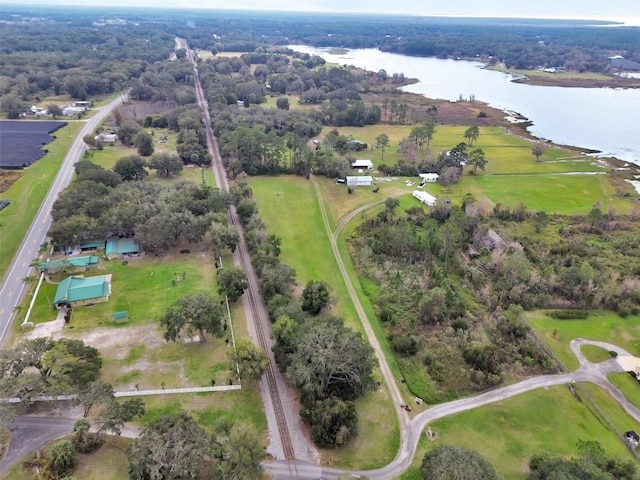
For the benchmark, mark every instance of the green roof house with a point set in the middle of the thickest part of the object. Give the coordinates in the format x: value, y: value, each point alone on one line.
x: 77, y: 264
x: 78, y: 290
x: 116, y: 247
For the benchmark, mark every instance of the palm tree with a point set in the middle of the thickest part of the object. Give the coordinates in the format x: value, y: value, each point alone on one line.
x: 477, y: 159
x: 471, y: 134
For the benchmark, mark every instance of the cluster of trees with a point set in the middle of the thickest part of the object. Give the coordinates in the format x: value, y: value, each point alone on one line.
x: 175, y: 446
x: 447, y: 462
x: 330, y: 364
x: 99, y: 204
x: 47, y: 367
x: 64, y: 54
x: 593, y: 463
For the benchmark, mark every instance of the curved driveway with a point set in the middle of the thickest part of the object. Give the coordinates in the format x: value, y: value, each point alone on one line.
x: 13, y: 288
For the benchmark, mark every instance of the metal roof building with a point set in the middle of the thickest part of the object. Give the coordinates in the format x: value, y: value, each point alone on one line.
x: 365, y: 164
x: 71, y: 262
x: 78, y: 290
x: 360, y: 181
x: 121, y: 246
x: 425, y: 198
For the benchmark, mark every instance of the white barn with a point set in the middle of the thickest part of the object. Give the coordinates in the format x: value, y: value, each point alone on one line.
x: 429, y: 177
x: 425, y: 198
x: 359, y: 181
x: 364, y: 164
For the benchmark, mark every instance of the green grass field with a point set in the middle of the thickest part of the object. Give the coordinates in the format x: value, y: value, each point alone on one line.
x: 600, y: 326
x: 595, y: 354
x: 27, y: 194
x: 627, y: 385
x: 507, y: 433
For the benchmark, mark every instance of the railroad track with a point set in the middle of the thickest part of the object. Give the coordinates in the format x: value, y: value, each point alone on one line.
x: 256, y: 308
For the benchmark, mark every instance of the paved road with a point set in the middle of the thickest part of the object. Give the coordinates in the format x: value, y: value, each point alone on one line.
x: 13, y: 288
x: 30, y: 433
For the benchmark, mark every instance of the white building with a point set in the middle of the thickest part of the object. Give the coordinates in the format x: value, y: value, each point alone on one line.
x: 364, y: 164
x: 359, y: 181
x: 107, y: 137
x: 429, y: 177
x: 425, y: 198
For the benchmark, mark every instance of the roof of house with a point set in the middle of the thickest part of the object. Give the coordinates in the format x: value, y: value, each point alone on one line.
x: 70, y: 262
x: 428, y: 175
x: 92, y: 244
x: 77, y: 288
x: 121, y: 245
x: 356, y: 179
x: 362, y: 163
x: 424, y: 197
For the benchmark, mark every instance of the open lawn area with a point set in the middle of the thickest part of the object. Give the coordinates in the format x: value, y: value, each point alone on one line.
x: 27, y: 193
x: 509, y: 432
x: 628, y: 385
x: 506, y: 154
x: 599, y: 326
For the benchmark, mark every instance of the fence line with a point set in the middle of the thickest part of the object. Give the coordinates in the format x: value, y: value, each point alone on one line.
x: 132, y: 393
x: 543, y: 346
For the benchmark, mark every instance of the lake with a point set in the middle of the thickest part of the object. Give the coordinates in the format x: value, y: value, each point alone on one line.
x: 603, y: 119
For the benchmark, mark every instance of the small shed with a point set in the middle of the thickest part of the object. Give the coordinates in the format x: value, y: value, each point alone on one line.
x: 429, y: 177
x: 425, y: 198
x: 359, y: 181
x: 363, y: 164
x: 115, y: 247
x: 121, y: 317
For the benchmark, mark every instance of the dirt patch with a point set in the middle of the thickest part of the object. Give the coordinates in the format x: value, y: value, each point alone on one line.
x: 119, y: 340
x: 8, y: 178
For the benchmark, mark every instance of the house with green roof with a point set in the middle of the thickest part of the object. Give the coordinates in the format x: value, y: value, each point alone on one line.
x: 117, y: 247
x: 78, y: 290
x: 75, y: 264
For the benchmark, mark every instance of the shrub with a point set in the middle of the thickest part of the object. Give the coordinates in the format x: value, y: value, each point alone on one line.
x: 568, y: 314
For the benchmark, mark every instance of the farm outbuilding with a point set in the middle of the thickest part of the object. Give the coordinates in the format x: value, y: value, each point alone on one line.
x: 360, y: 181
x: 77, y: 290
x: 362, y: 164
x: 78, y: 264
x: 115, y: 247
x: 429, y: 177
x: 425, y: 198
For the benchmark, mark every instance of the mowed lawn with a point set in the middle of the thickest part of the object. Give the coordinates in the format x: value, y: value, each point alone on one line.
x: 599, y: 326
x: 509, y: 432
x: 628, y: 385
x: 506, y: 154
x: 27, y: 194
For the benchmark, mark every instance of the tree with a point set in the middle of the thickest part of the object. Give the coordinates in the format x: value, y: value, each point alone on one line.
x: 131, y: 168
x: 477, y: 159
x: 115, y: 415
x: 232, y: 282
x: 72, y: 362
x: 62, y: 454
x: 471, y: 134
x: 222, y: 236
x: 282, y: 103
x: 143, y: 141
x: 382, y: 141
x: 251, y: 360
x: 170, y: 447
x: 333, y: 421
x: 315, y: 296
x: 54, y: 110
x: 12, y: 106
x: 537, y: 149
x: 330, y: 360
x: 446, y: 462
x: 90, y: 140
x: 95, y: 393
x: 197, y: 311
x: 166, y: 164
x: 127, y: 132
x: 235, y: 451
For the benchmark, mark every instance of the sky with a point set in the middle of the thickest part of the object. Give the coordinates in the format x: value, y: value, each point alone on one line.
x: 619, y: 10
